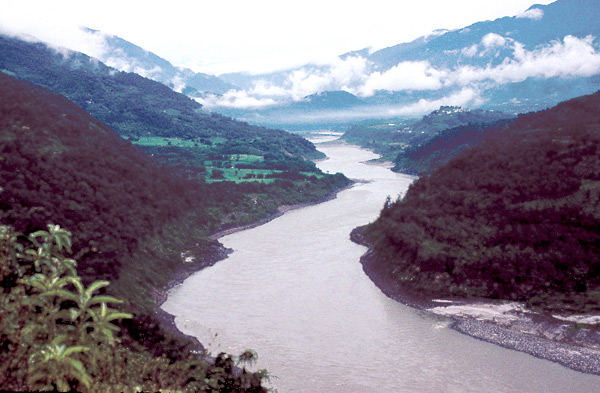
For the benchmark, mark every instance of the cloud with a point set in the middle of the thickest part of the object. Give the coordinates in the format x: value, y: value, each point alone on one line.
x: 340, y: 74
x: 573, y: 57
x: 470, y: 51
x: 493, y: 40
x: 178, y: 83
x: 56, y: 37
x: 463, y: 97
x: 67, y: 39
x: 408, y: 75
x: 234, y: 99
x: 466, y: 97
x: 532, y: 13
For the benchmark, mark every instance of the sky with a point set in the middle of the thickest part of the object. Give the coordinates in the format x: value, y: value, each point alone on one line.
x: 258, y: 36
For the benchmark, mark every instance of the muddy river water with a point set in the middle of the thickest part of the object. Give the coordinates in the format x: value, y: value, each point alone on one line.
x: 294, y: 291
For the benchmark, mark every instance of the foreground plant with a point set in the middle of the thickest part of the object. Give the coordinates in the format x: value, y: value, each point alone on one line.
x: 59, y: 334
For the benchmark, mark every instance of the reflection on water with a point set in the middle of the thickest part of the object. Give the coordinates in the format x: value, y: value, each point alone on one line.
x: 294, y: 291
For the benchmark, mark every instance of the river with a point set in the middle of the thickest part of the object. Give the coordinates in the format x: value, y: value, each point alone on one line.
x: 294, y: 291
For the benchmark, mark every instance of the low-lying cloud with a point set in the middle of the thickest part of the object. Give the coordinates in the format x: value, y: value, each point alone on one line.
x: 566, y: 58
x: 69, y: 39
x: 532, y: 13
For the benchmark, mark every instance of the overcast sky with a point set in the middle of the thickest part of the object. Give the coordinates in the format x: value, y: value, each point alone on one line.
x: 218, y: 36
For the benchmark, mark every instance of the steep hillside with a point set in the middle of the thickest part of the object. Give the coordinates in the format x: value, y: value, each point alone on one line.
x: 138, y: 107
x: 514, y: 217
x: 60, y: 164
x: 432, y: 153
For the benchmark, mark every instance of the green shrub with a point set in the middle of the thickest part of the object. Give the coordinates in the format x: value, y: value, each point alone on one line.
x: 58, y: 334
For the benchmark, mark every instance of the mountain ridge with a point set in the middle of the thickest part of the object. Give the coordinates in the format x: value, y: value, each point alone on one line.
x: 515, y: 64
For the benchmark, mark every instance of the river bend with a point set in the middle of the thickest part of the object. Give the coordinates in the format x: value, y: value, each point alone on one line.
x: 294, y: 291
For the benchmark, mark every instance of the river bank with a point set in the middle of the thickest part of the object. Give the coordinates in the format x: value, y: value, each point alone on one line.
x: 281, y: 210
x: 510, y: 325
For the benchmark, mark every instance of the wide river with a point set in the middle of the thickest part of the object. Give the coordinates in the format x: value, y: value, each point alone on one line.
x: 294, y: 291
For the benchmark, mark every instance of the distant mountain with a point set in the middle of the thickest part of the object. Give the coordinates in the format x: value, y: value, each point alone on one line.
x: 539, y: 25
x: 126, y: 56
x: 329, y: 100
x: 545, y: 55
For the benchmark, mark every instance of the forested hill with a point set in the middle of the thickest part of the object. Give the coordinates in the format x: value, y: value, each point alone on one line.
x: 139, y: 107
x: 130, y: 219
x: 59, y: 165
x: 407, y: 143
x: 425, y: 157
x: 514, y: 217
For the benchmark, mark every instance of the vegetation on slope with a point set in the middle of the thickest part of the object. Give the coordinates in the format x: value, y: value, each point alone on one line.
x: 435, y: 152
x: 139, y: 107
x: 137, y: 223
x: 415, y: 145
x: 57, y: 161
x: 59, y: 335
x: 515, y: 217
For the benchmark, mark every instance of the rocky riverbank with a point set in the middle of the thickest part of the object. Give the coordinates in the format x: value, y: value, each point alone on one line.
x: 562, y: 340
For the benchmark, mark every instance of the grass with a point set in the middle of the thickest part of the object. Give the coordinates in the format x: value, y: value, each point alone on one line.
x: 246, y: 158
x: 239, y: 175
x: 160, y: 141
x: 179, y: 142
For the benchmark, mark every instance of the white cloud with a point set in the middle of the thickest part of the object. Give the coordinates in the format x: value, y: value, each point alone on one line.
x: 492, y: 40
x: 573, y: 57
x: 178, y: 83
x: 65, y: 39
x: 234, y: 99
x: 532, y: 13
x: 467, y: 97
x: 265, y: 89
x: 152, y: 73
x: 470, y: 51
x: 339, y: 74
x: 408, y: 75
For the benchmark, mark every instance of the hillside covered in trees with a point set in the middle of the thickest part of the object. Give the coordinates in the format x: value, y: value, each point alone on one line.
x: 514, y: 217
x: 59, y: 163
x: 413, y: 144
x: 137, y: 107
x: 135, y: 222
x: 59, y: 334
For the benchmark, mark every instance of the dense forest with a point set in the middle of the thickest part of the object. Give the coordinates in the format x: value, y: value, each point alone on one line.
x: 426, y: 156
x: 416, y: 146
x: 514, y: 217
x: 135, y: 222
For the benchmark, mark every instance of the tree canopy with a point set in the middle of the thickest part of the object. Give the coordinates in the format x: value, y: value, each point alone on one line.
x: 514, y: 217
